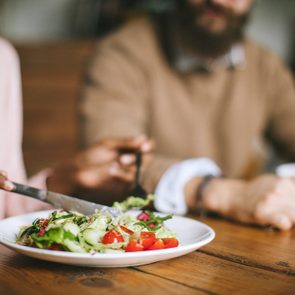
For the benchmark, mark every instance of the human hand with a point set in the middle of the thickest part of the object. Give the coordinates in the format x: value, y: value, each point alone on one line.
x: 105, y: 170
x: 5, y: 184
x: 269, y: 200
x: 266, y: 200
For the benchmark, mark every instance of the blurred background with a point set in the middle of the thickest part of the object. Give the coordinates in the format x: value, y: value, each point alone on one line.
x: 54, y: 39
x: 272, y: 23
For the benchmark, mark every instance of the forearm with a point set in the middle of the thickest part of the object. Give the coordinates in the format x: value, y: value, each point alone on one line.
x: 222, y: 196
x: 173, y: 185
x: 265, y: 200
x: 219, y: 196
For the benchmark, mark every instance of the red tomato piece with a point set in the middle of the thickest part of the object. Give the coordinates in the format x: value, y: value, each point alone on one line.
x: 43, y: 222
x: 126, y: 230
x: 41, y: 232
x: 158, y: 244
x: 147, y: 239
x: 111, y: 237
x: 170, y: 242
x: 134, y: 246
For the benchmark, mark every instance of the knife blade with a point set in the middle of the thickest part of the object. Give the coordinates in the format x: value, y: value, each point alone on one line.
x: 62, y: 201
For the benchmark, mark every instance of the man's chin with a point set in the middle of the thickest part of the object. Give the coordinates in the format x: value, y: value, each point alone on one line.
x: 213, y: 27
x: 214, y: 41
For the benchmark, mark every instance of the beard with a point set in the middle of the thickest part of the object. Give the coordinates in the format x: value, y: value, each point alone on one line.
x: 208, y: 42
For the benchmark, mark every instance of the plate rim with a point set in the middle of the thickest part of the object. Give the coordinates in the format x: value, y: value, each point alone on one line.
x: 26, y: 250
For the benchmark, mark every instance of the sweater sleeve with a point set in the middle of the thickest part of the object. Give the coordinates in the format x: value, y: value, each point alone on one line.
x: 113, y: 102
x: 281, y: 93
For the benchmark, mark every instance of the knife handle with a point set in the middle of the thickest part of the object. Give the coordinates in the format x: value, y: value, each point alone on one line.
x: 29, y: 191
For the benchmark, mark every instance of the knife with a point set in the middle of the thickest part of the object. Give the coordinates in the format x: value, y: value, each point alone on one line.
x: 62, y: 201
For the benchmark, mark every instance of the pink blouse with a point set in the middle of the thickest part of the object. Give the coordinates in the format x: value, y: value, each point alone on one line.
x: 11, y: 159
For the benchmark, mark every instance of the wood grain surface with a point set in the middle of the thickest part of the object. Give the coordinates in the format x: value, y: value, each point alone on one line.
x: 241, y: 260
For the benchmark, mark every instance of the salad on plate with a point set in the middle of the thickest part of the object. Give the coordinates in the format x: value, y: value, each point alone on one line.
x: 101, y: 232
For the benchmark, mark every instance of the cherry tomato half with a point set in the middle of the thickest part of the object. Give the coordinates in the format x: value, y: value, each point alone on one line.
x: 170, y: 242
x: 157, y: 245
x: 111, y: 237
x: 133, y: 246
x: 147, y: 239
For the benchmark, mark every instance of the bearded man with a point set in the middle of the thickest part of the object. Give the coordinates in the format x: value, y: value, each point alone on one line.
x: 208, y: 96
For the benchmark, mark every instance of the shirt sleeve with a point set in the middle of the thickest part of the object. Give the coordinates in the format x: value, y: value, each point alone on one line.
x: 113, y: 101
x: 169, y: 194
x: 281, y: 94
x: 286, y: 170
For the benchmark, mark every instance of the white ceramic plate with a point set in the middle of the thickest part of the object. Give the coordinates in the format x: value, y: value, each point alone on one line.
x: 191, y: 234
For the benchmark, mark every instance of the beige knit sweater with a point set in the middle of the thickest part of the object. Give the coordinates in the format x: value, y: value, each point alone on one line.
x: 132, y: 90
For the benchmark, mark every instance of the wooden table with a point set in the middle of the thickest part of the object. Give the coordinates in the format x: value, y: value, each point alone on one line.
x: 241, y: 260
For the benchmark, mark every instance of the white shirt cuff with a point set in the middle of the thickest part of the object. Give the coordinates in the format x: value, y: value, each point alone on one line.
x: 286, y: 170
x: 169, y: 193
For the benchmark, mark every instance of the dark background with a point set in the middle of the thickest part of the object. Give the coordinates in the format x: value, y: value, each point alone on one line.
x: 25, y: 21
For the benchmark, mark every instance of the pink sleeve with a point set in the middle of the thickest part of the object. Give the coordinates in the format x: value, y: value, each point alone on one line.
x: 11, y: 159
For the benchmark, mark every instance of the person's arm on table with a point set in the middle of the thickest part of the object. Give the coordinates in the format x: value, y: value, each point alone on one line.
x: 181, y: 180
x: 266, y: 200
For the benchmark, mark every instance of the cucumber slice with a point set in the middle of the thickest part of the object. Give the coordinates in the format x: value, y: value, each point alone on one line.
x: 73, y: 246
x: 92, y: 236
x: 72, y: 228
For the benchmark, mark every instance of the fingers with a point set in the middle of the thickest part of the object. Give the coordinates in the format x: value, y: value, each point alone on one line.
x: 95, y: 155
x: 104, y: 176
x: 279, y: 221
x: 104, y: 162
x: 129, y: 145
x: 125, y: 174
x: 270, y: 201
x: 5, y: 184
x: 123, y: 144
x: 127, y: 159
x: 282, y: 222
x: 3, y: 173
x: 277, y: 211
x: 108, y: 150
x: 130, y: 159
x: 147, y: 145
